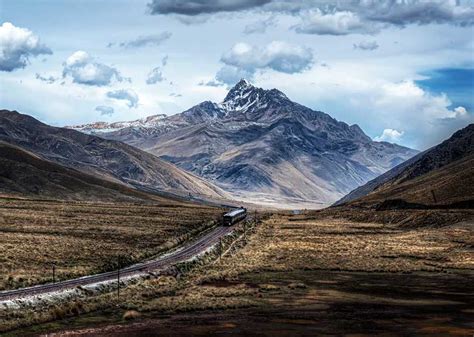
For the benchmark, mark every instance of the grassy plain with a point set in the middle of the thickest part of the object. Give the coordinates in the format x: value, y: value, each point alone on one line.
x: 307, y: 275
x: 82, y: 238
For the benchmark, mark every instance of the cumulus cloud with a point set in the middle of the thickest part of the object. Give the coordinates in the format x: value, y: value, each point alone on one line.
x: 17, y: 45
x: 424, y: 116
x: 196, y: 7
x: 148, y: 40
x: 366, y: 45
x: 229, y: 75
x: 244, y: 60
x: 277, y: 55
x: 336, y: 23
x: 460, y: 111
x: 105, y: 110
x: 83, y: 69
x: 127, y: 95
x: 389, y: 135
x: 261, y: 26
x: 47, y: 79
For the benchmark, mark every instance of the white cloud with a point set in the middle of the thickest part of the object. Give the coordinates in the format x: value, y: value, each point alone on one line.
x: 155, y: 76
x: 105, y: 110
x: 389, y: 135
x: 17, y: 45
x: 460, y: 111
x: 230, y: 75
x: 366, y: 45
x: 127, y: 95
x: 408, y: 98
x: 277, y: 55
x: 147, y: 40
x: 337, y: 23
x: 84, y: 70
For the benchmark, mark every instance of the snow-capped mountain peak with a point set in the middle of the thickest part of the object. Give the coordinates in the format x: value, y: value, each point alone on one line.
x: 244, y: 97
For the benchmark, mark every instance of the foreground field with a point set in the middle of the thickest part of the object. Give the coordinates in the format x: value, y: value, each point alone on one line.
x: 305, y: 275
x: 84, y: 238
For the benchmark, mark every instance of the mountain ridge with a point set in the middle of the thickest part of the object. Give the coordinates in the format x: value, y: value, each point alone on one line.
x: 106, y: 159
x: 438, y: 176
x: 25, y: 174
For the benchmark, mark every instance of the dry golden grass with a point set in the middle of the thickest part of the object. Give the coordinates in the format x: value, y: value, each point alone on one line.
x: 83, y: 238
x: 337, y: 244
x: 293, y: 265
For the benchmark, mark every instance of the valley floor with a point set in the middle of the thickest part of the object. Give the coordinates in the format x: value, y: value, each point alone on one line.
x: 308, y: 274
x: 82, y: 238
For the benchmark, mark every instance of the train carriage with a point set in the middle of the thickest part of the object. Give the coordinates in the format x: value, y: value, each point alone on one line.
x: 234, y: 216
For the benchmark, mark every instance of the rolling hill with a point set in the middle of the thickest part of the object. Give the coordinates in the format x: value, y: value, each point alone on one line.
x: 25, y: 174
x: 105, y: 159
x: 442, y: 176
x: 263, y: 147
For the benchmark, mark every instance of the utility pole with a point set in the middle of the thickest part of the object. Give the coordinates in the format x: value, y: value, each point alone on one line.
x: 220, y: 249
x: 255, y: 216
x: 118, y: 279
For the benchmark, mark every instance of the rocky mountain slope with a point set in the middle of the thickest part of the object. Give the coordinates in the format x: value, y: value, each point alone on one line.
x: 263, y: 147
x: 104, y: 159
x: 25, y: 174
x: 440, y: 176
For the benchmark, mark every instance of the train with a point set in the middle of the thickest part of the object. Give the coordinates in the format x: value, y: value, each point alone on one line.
x: 234, y: 216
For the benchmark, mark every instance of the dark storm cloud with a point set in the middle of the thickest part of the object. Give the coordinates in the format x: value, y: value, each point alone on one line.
x: 196, y: 7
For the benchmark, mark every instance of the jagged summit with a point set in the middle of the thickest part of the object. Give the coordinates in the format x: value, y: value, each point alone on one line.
x: 244, y: 97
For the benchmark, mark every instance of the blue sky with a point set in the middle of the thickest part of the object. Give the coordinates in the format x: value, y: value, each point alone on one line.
x: 402, y: 70
x: 457, y: 83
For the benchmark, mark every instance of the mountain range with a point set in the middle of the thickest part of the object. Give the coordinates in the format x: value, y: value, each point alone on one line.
x: 87, y: 158
x: 262, y: 147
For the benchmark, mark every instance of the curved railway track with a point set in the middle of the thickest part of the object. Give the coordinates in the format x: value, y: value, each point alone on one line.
x: 180, y: 255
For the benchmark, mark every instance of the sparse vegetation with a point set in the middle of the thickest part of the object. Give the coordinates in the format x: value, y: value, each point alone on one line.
x: 83, y: 238
x: 302, y: 265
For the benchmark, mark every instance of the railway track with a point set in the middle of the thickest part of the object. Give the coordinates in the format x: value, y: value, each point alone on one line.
x: 180, y: 255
